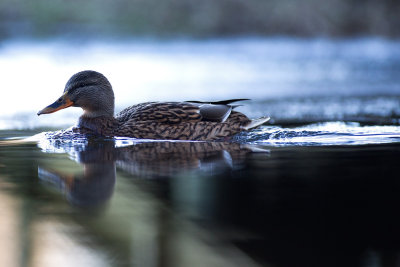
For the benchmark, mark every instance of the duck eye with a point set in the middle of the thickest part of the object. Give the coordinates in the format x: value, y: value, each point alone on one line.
x: 60, y: 99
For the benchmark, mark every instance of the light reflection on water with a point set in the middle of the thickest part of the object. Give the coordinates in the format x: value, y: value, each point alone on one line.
x: 318, y: 134
x: 322, y: 134
x: 123, y: 222
x: 133, y: 202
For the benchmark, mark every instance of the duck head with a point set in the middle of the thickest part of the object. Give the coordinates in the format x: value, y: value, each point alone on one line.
x: 89, y: 90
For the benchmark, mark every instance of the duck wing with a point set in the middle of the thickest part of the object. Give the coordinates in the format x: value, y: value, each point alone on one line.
x: 178, y: 112
x: 217, y: 111
x: 163, y: 112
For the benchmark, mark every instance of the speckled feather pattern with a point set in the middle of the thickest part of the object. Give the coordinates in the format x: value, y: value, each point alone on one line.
x: 168, y: 120
x: 190, y: 120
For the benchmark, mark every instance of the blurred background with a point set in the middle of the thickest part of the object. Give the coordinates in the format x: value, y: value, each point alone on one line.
x: 175, y: 18
x: 278, y: 53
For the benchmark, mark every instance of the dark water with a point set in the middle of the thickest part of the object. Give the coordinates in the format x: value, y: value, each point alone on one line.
x: 127, y: 202
x: 316, y: 186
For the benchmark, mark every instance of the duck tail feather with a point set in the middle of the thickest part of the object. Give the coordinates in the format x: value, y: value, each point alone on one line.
x: 255, y: 123
x: 222, y: 102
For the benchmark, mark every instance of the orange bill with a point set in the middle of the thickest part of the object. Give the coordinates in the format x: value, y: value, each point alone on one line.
x: 61, y: 103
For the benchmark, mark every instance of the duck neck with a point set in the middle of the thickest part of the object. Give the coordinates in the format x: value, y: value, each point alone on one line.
x: 100, y: 125
x: 103, y: 112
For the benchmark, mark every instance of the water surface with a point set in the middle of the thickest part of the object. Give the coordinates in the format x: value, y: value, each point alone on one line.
x: 316, y: 186
x: 139, y: 203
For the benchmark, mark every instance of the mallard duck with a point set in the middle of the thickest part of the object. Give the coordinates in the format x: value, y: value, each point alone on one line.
x: 189, y: 120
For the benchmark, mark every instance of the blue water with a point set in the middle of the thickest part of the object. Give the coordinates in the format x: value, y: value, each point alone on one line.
x: 297, y: 82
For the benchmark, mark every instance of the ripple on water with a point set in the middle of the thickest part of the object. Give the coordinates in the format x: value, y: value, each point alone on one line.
x: 318, y: 134
x: 328, y: 133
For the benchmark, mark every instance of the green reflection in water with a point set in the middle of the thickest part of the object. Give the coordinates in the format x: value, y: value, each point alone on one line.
x: 110, y: 218
x: 196, y: 204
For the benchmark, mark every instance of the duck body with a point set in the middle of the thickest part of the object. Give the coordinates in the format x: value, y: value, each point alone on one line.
x: 191, y: 120
x: 165, y: 120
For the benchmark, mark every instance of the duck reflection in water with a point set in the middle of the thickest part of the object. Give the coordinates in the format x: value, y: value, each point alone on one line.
x: 165, y: 159
x: 95, y: 185
x: 92, y: 187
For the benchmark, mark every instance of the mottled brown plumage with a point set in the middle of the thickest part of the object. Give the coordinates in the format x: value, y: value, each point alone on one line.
x: 192, y: 120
